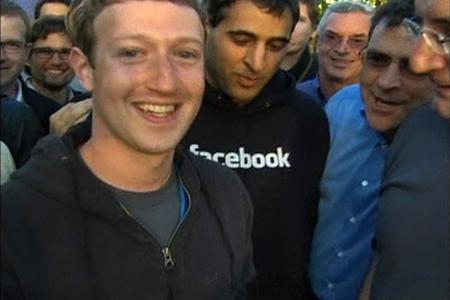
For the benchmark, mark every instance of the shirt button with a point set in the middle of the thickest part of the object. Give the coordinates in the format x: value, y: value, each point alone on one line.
x: 352, y: 220
x: 340, y: 254
x: 330, y: 286
x: 364, y: 183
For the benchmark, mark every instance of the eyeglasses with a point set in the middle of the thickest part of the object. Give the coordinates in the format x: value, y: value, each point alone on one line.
x: 12, y: 47
x: 48, y: 52
x: 381, y: 61
x: 435, y: 40
x: 333, y: 40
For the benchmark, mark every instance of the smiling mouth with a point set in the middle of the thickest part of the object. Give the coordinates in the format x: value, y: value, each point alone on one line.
x: 157, y: 109
x: 385, y: 105
x: 248, y: 81
x: 55, y: 72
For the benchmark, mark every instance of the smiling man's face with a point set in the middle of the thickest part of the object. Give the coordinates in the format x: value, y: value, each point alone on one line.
x: 340, y: 44
x: 391, y: 90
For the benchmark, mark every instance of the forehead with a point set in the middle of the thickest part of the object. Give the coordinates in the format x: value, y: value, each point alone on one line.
x: 56, y: 39
x: 303, y: 10
x: 12, y: 27
x: 57, y: 9
x: 150, y: 18
x: 434, y: 11
x: 245, y: 15
x: 348, y: 24
x: 393, y: 41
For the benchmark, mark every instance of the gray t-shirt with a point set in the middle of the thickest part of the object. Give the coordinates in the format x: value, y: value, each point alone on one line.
x: 157, y: 211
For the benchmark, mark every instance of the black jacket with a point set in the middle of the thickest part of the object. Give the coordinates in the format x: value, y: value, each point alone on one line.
x: 278, y: 144
x: 20, y: 129
x: 65, y: 237
x: 42, y: 106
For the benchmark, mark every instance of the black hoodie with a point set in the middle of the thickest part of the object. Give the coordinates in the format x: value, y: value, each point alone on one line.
x: 65, y: 237
x: 278, y: 145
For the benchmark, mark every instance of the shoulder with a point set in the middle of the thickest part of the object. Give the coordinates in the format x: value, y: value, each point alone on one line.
x: 424, y: 128
x: 347, y: 101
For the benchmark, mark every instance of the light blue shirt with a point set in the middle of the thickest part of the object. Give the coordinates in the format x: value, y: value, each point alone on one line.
x: 342, y: 250
x: 312, y: 88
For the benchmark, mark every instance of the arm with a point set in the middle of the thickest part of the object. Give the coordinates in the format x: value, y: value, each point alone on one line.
x: 69, y: 115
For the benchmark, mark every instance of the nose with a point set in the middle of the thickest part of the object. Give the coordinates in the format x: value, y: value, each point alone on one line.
x: 162, y: 74
x: 390, y: 78
x: 56, y: 58
x: 255, y: 57
x: 425, y: 60
x: 343, y: 46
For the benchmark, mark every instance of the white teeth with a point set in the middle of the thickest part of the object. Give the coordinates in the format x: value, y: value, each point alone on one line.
x: 157, y: 109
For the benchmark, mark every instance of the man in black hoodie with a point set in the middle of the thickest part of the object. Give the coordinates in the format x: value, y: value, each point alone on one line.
x: 254, y: 121
x: 119, y: 211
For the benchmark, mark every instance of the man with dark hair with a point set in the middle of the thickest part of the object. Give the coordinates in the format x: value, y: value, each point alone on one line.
x: 254, y: 121
x: 343, y: 31
x: 413, y: 228
x: 363, y: 120
x: 299, y: 60
x: 48, y: 61
x: 118, y: 211
x: 51, y: 7
x: 15, y: 43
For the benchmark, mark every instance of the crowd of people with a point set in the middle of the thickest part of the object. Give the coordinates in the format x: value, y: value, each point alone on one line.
x: 225, y: 149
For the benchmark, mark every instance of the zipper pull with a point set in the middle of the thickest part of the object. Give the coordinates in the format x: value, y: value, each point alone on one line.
x: 168, y: 261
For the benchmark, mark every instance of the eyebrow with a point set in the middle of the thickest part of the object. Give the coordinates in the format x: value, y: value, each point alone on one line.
x: 255, y: 37
x: 144, y: 39
x: 353, y: 35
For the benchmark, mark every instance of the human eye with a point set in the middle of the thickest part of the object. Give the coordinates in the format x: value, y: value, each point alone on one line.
x: 188, y: 54
x: 377, y: 60
x: 357, y: 42
x: 240, y: 39
x: 277, y: 46
x: 129, y: 52
x: 331, y: 36
x: 12, y: 45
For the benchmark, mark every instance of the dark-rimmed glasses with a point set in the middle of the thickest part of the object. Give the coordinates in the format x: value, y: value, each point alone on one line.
x: 12, y: 47
x: 47, y: 52
x: 435, y: 40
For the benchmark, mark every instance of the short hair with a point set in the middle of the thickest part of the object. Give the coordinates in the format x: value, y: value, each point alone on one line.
x: 217, y: 9
x: 392, y: 13
x: 38, y: 7
x: 11, y: 9
x: 344, y: 7
x: 48, y: 25
x: 81, y: 17
x: 313, y: 12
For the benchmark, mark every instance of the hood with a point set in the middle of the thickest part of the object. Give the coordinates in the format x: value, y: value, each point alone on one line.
x: 276, y: 92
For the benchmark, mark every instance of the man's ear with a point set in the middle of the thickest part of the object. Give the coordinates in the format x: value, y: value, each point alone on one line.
x: 82, y: 68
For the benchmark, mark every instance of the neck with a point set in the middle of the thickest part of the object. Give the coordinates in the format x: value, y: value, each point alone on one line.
x: 11, y: 89
x: 125, y: 168
x: 291, y: 59
x: 61, y: 96
x: 329, y: 86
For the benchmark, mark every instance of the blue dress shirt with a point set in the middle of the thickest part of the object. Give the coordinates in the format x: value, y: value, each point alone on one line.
x: 312, y: 88
x: 342, y: 251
